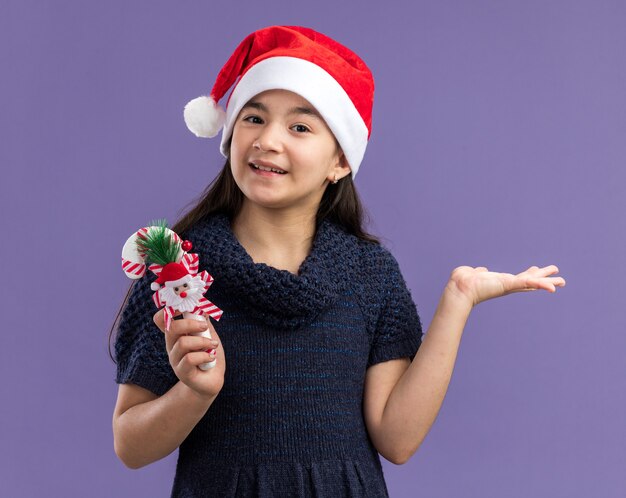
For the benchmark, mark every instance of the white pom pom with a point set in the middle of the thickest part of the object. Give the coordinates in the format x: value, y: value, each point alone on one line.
x: 204, y: 117
x: 154, y: 286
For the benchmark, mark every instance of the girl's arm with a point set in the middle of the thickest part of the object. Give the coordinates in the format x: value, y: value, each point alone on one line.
x: 416, y: 398
x: 147, y: 428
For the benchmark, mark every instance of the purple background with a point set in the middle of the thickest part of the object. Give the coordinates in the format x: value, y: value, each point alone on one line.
x: 498, y: 140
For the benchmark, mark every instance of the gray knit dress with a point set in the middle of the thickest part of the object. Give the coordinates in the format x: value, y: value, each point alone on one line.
x: 289, y: 419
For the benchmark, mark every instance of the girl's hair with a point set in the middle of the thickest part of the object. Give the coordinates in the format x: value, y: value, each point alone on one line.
x: 340, y: 204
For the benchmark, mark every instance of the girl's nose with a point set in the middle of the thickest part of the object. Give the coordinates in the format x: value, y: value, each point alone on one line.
x: 269, y: 139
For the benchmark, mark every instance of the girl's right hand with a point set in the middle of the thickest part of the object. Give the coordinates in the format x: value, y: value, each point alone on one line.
x: 187, y: 351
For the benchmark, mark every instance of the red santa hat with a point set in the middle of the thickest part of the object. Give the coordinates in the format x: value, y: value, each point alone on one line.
x: 172, y: 275
x: 329, y: 75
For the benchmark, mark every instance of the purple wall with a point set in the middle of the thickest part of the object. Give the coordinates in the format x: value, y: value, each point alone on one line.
x: 498, y: 140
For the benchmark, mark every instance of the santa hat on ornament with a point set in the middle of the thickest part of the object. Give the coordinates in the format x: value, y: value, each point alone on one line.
x: 329, y: 75
x: 172, y: 275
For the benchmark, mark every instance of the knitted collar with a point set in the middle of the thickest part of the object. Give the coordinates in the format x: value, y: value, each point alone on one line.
x: 276, y: 297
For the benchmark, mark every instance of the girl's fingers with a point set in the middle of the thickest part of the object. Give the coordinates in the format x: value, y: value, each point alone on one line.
x: 545, y: 271
x: 179, y: 327
x: 186, y: 326
x: 190, y: 344
x: 550, y: 270
x: 532, y: 271
x: 191, y: 360
x: 159, y: 319
x: 548, y: 283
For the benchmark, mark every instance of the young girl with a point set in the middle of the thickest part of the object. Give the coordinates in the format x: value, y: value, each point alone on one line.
x: 320, y: 361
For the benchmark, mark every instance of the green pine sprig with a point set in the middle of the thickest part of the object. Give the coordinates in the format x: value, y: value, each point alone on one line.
x: 158, y: 246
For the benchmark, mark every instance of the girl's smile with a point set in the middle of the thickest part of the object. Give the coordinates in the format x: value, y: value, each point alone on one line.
x: 266, y: 168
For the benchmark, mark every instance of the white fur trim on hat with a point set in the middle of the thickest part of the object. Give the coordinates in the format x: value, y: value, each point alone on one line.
x: 315, y: 85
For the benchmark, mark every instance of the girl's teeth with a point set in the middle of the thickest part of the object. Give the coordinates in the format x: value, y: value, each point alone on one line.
x: 262, y: 168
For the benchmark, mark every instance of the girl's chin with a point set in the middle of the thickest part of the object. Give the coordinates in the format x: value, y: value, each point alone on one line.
x: 264, y: 200
x: 275, y: 195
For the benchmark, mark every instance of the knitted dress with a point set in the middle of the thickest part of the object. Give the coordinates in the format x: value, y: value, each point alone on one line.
x: 289, y: 418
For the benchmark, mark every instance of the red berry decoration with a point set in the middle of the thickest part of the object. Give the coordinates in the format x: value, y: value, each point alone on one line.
x: 187, y: 246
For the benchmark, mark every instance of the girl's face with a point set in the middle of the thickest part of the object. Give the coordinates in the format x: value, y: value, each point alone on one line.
x: 294, y: 139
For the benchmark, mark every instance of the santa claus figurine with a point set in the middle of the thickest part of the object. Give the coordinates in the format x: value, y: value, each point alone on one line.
x: 179, y: 286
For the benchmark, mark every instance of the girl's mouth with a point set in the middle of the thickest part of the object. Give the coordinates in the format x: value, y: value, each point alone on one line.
x: 266, y: 171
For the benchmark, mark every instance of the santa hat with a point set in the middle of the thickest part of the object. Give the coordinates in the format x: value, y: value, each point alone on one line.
x: 172, y: 275
x: 327, y: 74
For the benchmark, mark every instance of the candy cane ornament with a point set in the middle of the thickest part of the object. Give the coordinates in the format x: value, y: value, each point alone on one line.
x: 179, y: 286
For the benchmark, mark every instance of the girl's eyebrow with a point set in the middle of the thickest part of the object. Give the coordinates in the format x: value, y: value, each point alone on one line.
x: 294, y: 110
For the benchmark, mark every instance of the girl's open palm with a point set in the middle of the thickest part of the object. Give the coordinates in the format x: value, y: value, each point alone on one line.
x: 479, y: 284
x: 186, y: 352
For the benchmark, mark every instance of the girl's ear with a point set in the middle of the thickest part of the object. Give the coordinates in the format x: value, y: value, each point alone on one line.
x: 342, y: 168
x: 343, y: 164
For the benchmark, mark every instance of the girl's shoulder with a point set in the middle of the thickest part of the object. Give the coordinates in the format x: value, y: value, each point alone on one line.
x: 200, y: 225
x: 376, y: 255
x: 207, y: 229
x: 372, y: 262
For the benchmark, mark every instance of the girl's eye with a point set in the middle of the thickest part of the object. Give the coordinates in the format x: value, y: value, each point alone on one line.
x: 299, y: 127
x: 252, y: 117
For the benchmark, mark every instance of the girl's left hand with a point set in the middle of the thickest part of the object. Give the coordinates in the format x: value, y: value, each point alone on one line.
x: 479, y: 284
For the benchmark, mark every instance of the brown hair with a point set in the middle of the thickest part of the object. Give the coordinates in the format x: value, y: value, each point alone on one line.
x: 340, y: 204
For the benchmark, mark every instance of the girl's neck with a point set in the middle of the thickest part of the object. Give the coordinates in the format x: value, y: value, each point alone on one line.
x: 279, y: 238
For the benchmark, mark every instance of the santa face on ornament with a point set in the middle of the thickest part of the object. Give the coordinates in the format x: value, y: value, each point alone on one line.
x: 183, y: 294
x: 180, y: 291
